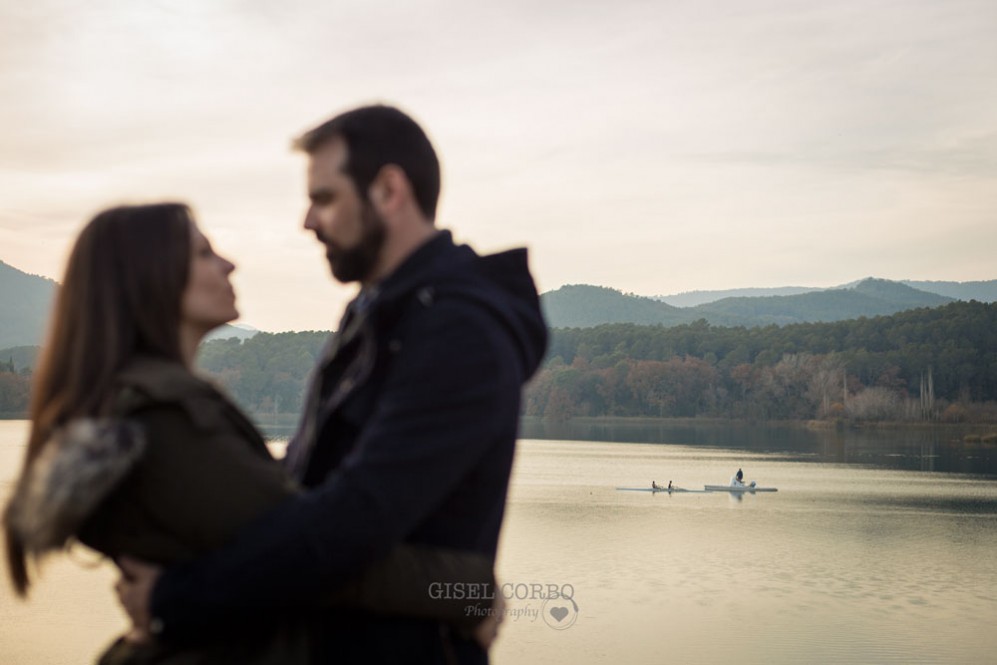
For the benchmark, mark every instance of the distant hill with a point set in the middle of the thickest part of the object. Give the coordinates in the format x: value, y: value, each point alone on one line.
x: 870, y: 297
x: 584, y: 306
x: 899, y: 293
x: 25, y: 301
x: 694, y: 298
x: 581, y: 306
x: 979, y: 291
x: 227, y: 331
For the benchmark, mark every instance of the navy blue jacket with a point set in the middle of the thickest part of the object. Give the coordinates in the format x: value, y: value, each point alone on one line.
x: 408, y: 435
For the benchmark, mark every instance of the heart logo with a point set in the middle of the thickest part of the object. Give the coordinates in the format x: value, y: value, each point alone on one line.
x: 560, y: 617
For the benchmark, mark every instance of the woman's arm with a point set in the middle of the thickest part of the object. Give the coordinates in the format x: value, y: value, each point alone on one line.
x: 193, y: 490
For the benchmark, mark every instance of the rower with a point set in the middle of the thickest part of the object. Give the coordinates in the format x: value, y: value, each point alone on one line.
x: 669, y: 486
x: 737, y: 479
x: 654, y: 485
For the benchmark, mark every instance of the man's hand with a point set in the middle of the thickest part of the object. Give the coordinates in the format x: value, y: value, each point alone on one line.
x: 487, y: 630
x: 134, y: 589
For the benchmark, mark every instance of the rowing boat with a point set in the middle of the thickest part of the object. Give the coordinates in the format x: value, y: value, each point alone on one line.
x: 738, y: 488
x: 652, y: 489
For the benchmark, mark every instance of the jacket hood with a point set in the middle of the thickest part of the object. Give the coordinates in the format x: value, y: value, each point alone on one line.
x: 508, y: 272
x: 500, y: 282
x: 79, y: 465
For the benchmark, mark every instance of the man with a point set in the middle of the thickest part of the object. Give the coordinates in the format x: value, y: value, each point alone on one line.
x: 411, y: 420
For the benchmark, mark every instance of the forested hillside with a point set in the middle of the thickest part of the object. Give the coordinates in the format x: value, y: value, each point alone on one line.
x: 264, y: 374
x: 693, y: 298
x: 15, y: 386
x: 25, y: 301
x: 983, y: 291
x: 583, y: 306
x: 870, y: 297
x: 919, y: 364
x: 267, y: 373
x: 923, y: 364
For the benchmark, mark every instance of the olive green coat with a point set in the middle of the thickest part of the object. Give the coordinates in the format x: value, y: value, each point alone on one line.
x: 200, y: 472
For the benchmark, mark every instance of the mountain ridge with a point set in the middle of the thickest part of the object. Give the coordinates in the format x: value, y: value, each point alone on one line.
x: 25, y: 302
x: 581, y: 306
x: 981, y: 290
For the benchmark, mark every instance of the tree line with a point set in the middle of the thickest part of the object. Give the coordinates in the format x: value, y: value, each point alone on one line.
x: 265, y: 374
x: 924, y: 364
x: 928, y: 363
x: 15, y: 386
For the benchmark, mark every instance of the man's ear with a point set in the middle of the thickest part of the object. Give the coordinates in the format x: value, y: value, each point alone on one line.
x: 390, y: 189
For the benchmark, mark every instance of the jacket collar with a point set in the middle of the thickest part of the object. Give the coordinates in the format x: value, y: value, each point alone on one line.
x: 161, y: 378
x: 436, y: 254
x: 147, y: 380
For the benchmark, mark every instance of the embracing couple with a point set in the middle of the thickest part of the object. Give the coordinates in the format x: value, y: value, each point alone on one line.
x: 395, y: 481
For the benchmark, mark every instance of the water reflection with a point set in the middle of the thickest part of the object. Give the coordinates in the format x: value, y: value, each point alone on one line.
x: 910, y: 448
x: 849, y: 562
x: 845, y: 563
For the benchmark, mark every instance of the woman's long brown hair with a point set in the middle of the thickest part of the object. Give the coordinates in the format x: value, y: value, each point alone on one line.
x: 120, y: 296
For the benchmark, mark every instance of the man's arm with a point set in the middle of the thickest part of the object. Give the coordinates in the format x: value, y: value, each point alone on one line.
x: 445, y: 402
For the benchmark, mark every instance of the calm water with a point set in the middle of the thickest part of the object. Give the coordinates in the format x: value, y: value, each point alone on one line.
x: 883, y: 556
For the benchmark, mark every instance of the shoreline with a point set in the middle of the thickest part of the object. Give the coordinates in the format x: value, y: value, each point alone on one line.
x: 806, y: 424
x: 291, y: 419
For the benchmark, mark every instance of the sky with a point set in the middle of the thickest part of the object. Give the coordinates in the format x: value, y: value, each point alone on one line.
x: 655, y: 147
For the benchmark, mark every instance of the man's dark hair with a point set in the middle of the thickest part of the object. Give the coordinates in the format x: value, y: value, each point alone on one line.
x: 376, y: 136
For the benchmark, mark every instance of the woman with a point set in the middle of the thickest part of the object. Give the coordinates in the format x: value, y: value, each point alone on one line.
x: 132, y: 454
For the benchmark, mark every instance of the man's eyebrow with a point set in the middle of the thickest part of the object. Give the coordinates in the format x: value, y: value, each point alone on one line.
x: 320, y: 193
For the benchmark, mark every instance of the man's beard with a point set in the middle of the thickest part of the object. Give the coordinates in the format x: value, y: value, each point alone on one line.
x: 357, y: 263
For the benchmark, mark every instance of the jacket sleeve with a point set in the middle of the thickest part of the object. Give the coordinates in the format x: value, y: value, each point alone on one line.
x: 192, y: 491
x: 428, y: 582
x: 444, y: 403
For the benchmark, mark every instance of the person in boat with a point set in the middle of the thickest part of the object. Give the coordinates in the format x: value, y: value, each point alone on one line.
x: 737, y: 480
x: 655, y: 486
x: 132, y: 454
x: 669, y: 486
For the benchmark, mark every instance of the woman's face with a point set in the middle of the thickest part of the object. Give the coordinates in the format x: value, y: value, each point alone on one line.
x: 208, y: 300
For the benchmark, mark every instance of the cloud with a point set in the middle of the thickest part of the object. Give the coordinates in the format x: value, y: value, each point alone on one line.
x: 733, y: 138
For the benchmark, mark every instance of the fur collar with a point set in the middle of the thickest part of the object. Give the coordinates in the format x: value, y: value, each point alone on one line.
x: 78, y: 467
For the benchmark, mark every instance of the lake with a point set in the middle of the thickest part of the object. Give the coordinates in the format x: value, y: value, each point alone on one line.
x: 879, y: 547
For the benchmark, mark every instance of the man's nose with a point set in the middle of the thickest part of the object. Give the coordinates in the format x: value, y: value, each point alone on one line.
x: 310, y: 223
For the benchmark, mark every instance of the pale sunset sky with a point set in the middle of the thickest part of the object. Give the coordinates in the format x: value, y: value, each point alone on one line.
x: 652, y: 146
